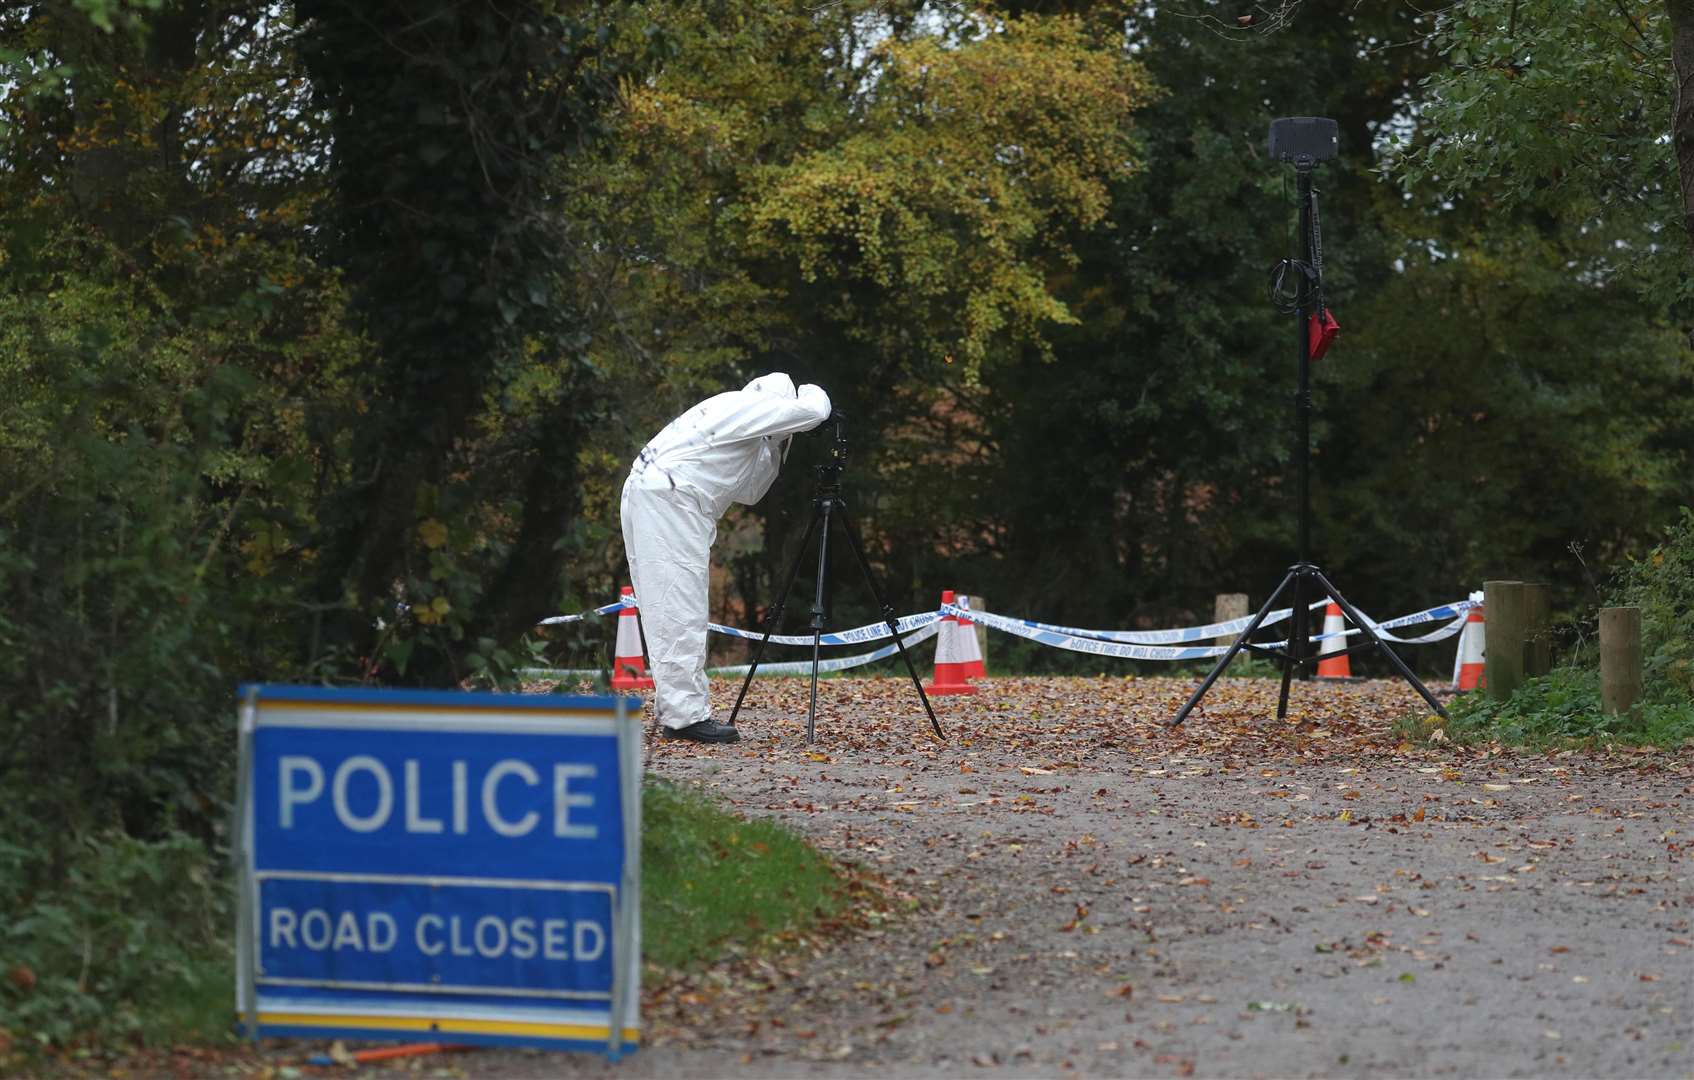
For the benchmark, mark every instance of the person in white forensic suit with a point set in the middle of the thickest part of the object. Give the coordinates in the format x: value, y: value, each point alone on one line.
x: 726, y: 449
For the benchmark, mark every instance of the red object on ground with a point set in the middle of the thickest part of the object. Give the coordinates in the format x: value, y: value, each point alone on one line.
x: 386, y: 1053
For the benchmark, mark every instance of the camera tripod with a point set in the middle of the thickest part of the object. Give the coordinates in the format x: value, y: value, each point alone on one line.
x: 1304, y: 141
x: 827, y: 506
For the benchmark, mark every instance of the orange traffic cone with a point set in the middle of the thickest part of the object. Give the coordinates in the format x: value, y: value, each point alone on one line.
x: 629, y: 667
x: 950, y: 660
x: 1468, y: 673
x: 1336, y: 666
x: 975, y: 668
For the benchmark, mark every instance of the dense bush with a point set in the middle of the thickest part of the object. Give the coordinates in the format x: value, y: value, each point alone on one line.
x: 1565, y: 705
x: 1661, y: 584
x: 132, y: 932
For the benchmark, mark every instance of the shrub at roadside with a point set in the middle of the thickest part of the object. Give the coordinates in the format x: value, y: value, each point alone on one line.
x: 1661, y: 584
x: 132, y: 943
x: 1564, y: 706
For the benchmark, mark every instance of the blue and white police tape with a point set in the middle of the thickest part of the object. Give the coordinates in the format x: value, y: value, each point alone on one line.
x: 1209, y: 631
x: 1176, y: 636
x: 607, y: 609
x: 839, y: 663
x: 1149, y: 644
x: 1133, y: 651
x: 859, y: 635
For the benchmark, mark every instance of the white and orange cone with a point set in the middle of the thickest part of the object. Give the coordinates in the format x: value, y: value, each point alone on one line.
x: 975, y: 668
x: 629, y: 666
x: 1468, y: 665
x: 950, y: 660
x: 1332, y: 652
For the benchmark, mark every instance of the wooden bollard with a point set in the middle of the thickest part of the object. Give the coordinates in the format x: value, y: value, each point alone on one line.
x: 1503, y: 638
x: 1620, y: 659
x: 1229, y: 605
x: 1537, y: 629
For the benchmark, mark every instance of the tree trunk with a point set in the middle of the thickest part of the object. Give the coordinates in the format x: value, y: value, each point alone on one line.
x: 1681, y: 14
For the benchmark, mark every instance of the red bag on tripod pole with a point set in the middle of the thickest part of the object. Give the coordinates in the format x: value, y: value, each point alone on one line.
x: 1324, y: 329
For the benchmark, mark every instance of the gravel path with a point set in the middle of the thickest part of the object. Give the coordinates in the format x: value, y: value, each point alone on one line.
x: 1087, y: 893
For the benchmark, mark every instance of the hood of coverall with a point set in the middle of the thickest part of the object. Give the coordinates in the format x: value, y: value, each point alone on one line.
x: 775, y: 383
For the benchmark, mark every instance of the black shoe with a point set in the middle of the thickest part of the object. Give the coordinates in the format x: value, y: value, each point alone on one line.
x: 707, y: 731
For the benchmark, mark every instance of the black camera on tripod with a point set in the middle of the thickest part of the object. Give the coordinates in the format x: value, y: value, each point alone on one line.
x: 832, y: 468
x: 1304, y: 140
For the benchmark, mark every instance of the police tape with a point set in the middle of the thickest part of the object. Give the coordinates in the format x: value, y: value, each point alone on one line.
x: 1125, y: 650
x: 838, y: 663
x: 1153, y: 645
x: 925, y: 631
x: 1169, y: 637
x: 859, y: 635
x: 607, y: 609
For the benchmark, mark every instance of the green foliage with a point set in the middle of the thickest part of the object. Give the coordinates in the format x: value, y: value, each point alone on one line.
x: 710, y: 880
x: 132, y: 941
x: 1563, y: 708
x: 1661, y: 584
x: 1564, y: 107
x: 965, y: 159
x: 448, y: 129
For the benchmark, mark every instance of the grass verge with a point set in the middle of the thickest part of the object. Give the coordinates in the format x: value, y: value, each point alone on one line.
x: 1561, y: 709
x: 710, y: 880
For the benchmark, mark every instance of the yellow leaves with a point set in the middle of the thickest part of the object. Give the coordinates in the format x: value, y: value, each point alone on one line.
x: 264, y: 545
x: 433, y: 613
x: 950, y: 188
x: 433, y: 533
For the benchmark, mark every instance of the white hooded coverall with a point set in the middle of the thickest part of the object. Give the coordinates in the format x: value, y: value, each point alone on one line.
x: 725, y: 449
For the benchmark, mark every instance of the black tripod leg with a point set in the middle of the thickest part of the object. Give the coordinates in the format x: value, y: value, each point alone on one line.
x: 1393, y: 657
x: 771, y: 618
x: 820, y: 609
x: 1235, y: 647
x: 812, y: 710
x: 1282, y: 697
x: 887, y: 617
x: 1296, y: 639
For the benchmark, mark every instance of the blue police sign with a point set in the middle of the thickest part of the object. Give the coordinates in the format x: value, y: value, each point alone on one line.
x: 451, y: 866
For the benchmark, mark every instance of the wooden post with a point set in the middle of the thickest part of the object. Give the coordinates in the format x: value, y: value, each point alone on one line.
x: 1537, y: 629
x: 1227, y: 606
x: 1503, y: 638
x: 977, y: 603
x: 1620, y: 659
